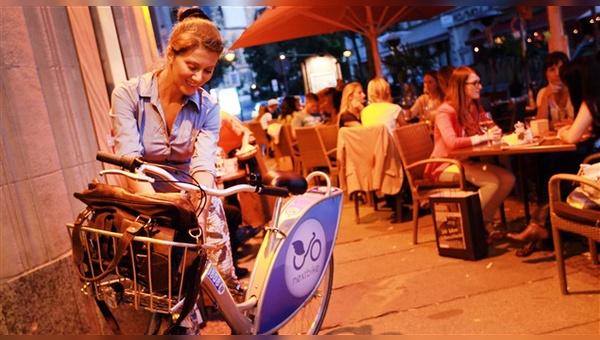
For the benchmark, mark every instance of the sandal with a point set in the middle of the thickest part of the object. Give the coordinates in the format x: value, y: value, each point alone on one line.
x: 494, y: 236
x: 532, y: 232
x: 527, y: 249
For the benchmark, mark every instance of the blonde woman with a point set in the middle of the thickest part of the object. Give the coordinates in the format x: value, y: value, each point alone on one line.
x: 381, y: 110
x: 353, y: 99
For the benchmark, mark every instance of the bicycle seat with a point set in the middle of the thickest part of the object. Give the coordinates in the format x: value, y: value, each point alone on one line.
x: 295, y: 183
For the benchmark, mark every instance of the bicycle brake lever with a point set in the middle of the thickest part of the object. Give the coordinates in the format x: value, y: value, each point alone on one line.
x: 135, y: 176
x: 255, y: 179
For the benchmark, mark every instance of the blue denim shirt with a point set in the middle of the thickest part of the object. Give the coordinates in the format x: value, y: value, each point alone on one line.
x: 139, y: 126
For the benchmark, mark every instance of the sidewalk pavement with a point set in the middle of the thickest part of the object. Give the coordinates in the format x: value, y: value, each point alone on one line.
x: 384, y: 285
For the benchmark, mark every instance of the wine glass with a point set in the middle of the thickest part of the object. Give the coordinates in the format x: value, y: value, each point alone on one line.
x: 485, y: 124
x: 424, y: 113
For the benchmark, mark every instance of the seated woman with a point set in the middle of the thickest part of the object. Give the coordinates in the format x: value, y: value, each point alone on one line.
x: 263, y: 117
x: 289, y: 105
x: 326, y: 105
x: 353, y: 102
x: 457, y: 126
x: 586, y: 72
x: 381, y: 110
x: 581, y: 78
x: 426, y: 104
x: 443, y: 75
x: 553, y: 102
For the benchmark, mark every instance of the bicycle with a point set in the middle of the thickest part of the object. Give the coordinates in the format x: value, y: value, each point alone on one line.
x: 291, y: 282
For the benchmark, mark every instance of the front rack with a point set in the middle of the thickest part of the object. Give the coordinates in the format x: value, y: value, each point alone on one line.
x: 139, y: 280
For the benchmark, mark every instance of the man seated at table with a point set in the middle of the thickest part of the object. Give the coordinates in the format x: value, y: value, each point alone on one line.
x: 304, y: 117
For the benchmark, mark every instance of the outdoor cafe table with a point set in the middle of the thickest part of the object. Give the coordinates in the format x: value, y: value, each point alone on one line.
x: 549, y: 144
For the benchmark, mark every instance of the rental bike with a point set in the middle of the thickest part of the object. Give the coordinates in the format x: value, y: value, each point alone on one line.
x: 291, y: 282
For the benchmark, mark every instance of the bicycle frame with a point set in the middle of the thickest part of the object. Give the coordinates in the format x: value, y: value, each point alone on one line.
x: 289, y: 267
x: 290, y: 264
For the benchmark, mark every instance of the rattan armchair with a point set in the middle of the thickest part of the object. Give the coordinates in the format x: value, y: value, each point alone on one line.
x: 329, y: 135
x: 286, y: 149
x: 260, y: 136
x: 564, y: 217
x: 313, y: 155
x: 415, y: 146
x: 370, y: 167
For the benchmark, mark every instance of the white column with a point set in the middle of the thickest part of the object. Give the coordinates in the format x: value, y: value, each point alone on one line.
x: 108, y: 46
x: 558, y: 39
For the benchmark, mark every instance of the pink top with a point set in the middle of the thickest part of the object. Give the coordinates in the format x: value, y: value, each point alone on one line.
x: 449, y: 135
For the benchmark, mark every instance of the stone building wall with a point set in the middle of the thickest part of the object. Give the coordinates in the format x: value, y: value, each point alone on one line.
x: 54, y: 105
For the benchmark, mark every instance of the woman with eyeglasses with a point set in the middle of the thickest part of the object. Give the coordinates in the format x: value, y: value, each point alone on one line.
x: 457, y: 126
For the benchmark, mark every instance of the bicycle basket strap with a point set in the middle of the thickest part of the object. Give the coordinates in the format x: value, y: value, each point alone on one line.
x: 172, y: 210
x: 109, y: 219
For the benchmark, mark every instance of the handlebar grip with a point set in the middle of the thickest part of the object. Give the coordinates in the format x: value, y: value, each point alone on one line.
x: 127, y: 162
x: 273, y: 191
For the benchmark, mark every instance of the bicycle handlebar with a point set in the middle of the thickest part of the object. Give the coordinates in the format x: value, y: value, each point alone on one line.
x: 132, y: 163
x: 272, y: 191
x: 127, y: 162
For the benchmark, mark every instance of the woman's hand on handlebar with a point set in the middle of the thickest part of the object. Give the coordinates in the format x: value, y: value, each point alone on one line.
x: 140, y: 187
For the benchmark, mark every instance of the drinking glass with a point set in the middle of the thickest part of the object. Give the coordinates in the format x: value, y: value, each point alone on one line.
x: 426, y: 115
x: 486, y: 123
x: 528, y: 122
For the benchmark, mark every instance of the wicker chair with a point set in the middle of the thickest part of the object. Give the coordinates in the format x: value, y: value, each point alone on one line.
x: 313, y: 154
x: 285, y: 148
x: 370, y: 164
x: 415, y: 145
x: 564, y: 217
x: 260, y: 136
x: 329, y: 135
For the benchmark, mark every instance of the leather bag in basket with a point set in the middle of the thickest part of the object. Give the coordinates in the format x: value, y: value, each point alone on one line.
x: 163, y: 216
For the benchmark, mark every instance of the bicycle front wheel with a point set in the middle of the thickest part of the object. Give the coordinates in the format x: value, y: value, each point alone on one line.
x: 310, y: 317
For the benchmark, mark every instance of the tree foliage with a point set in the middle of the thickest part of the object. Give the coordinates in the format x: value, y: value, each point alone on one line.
x: 218, y: 74
x: 409, y: 65
x: 262, y: 60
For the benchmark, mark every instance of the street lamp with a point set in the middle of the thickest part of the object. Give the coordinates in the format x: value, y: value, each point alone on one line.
x: 230, y: 56
x: 347, y: 53
x: 283, y: 70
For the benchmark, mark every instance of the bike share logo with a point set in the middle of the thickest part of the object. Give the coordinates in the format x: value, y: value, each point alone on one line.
x: 305, y: 258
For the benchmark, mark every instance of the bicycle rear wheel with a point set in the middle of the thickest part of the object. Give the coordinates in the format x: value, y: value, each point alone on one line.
x: 310, y: 317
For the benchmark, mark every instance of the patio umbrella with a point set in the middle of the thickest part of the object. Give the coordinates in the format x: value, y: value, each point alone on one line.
x: 281, y: 23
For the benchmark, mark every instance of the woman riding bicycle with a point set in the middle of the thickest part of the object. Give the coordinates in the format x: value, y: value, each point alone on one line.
x: 166, y: 117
